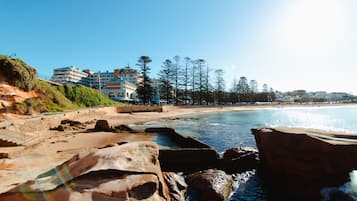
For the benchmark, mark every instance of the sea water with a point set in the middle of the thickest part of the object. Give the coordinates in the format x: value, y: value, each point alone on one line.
x: 224, y: 130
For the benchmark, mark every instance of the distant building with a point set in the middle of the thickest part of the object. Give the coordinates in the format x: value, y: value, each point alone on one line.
x: 95, y: 80
x: 120, y: 90
x: 129, y: 74
x: 68, y: 75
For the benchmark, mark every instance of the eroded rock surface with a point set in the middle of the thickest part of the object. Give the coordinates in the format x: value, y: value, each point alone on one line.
x: 177, y: 186
x: 212, y: 184
x: 127, y: 172
x: 302, y: 161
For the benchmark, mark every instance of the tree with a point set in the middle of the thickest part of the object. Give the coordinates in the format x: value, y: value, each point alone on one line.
x: 207, y: 85
x: 200, y: 65
x: 176, y: 69
x: 145, y: 89
x: 219, y: 85
x: 243, y: 89
x: 265, y: 88
x: 165, y: 79
x: 253, y: 86
x: 194, y: 80
x: 234, y: 91
x: 185, y: 77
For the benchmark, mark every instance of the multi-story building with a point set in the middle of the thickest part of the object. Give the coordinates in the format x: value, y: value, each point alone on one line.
x: 68, y: 75
x: 120, y: 90
x: 129, y: 74
x: 95, y: 80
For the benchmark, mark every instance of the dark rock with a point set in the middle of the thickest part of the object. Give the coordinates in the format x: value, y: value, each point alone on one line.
x: 177, y: 186
x: 300, y: 162
x: 335, y: 194
x: 123, y: 127
x: 212, y: 185
x: 102, y: 125
x: 68, y: 124
x: 239, y: 159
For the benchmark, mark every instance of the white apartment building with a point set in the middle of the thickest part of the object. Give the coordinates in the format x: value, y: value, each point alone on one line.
x: 68, y: 74
x: 120, y: 90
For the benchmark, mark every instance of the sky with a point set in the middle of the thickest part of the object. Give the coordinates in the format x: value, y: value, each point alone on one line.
x: 295, y: 44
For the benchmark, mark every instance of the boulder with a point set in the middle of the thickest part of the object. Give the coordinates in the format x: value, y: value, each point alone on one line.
x: 176, y: 185
x: 236, y: 160
x: 302, y: 161
x: 127, y: 172
x: 102, y: 125
x: 212, y: 184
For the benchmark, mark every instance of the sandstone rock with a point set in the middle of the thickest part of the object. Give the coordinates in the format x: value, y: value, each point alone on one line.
x: 102, y: 125
x: 127, y: 172
x: 176, y: 185
x: 123, y: 127
x: 239, y: 159
x: 302, y: 161
x: 69, y: 125
x: 212, y: 185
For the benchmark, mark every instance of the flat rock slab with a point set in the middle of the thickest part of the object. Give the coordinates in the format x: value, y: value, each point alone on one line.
x: 305, y: 160
x: 121, y: 172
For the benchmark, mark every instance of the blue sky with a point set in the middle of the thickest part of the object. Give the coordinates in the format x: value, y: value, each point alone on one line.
x: 293, y: 44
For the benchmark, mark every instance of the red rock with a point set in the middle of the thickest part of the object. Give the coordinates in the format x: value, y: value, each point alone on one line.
x: 302, y: 161
x: 128, y: 171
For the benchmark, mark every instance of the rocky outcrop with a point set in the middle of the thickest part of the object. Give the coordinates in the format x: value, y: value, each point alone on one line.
x: 127, y: 172
x: 303, y: 161
x: 176, y: 185
x: 102, y: 125
x: 236, y: 160
x: 212, y: 185
x: 69, y: 125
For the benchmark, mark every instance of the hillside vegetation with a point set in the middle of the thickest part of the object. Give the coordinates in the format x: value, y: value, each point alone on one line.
x: 16, y: 72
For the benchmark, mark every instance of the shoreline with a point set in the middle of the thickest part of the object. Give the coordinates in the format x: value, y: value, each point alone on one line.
x: 37, y: 123
x: 54, y: 147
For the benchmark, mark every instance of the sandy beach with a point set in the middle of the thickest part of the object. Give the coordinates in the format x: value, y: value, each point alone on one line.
x: 48, y: 148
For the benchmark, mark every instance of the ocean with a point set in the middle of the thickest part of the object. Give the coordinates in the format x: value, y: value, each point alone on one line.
x: 224, y: 130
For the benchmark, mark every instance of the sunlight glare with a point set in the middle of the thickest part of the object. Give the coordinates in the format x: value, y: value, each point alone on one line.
x: 312, y: 25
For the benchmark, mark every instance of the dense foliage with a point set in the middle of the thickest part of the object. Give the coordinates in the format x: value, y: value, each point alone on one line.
x: 84, y: 97
x: 50, y: 98
x: 17, y: 73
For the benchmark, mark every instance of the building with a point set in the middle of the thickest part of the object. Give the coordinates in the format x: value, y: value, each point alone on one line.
x: 95, y: 80
x: 120, y: 90
x: 129, y: 74
x: 68, y: 75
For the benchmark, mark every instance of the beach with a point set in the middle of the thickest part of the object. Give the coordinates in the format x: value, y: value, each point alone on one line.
x: 48, y: 148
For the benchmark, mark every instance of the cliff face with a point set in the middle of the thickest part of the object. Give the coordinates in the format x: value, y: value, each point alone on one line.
x: 17, y: 73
